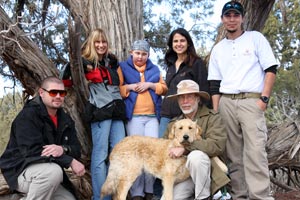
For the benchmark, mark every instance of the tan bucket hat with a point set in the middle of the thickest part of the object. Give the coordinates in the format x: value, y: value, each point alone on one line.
x: 189, y: 87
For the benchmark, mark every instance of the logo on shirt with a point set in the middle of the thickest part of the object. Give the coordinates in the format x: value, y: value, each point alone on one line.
x: 247, y: 52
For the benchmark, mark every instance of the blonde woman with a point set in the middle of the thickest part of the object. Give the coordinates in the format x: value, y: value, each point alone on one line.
x: 106, y: 109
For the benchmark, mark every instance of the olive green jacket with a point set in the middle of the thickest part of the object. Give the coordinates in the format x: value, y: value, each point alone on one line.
x: 213, y: 143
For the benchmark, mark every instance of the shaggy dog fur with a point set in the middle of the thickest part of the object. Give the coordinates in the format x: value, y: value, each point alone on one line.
x: 136, y: 154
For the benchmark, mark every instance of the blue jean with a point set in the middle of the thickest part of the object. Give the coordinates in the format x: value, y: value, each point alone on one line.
x: 105, y: 135
x: 163, y: 125
x: 145, y: 126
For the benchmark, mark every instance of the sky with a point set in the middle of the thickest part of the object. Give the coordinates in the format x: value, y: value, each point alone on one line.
x: 217, y: 11
x: 215, y: 19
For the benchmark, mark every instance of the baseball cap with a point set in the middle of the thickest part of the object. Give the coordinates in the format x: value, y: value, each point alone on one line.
x: 233, y: 5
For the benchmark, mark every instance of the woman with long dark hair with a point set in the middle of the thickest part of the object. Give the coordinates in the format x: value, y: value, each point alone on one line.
x: 182, y: 63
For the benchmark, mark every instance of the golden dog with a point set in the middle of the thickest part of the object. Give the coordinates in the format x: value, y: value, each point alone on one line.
x: 136, y: 154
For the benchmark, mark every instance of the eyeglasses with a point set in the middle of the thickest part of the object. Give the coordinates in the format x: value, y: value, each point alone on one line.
x: 53, y: 93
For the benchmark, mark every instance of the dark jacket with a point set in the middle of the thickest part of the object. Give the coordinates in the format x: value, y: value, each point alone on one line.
x: 30, y: 131
x: 197, y: 73
x: 131, y: 75
x: 105, y: 101
x: 213, y: 144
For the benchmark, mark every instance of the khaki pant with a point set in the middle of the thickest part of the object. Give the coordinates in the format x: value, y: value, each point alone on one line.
x: 198, y: 185
x: 43, y: 182
x: 247, y: 137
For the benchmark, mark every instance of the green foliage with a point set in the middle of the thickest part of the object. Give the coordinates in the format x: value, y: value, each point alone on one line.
x: 10, y: 105
x: 163, y: 16
x: 283, y: 32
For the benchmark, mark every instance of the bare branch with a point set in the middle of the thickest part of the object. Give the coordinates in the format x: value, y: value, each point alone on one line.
x: 3, y: 33
x: 14, y: 41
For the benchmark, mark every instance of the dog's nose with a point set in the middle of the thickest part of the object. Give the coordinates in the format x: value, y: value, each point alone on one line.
x: 185, y: 137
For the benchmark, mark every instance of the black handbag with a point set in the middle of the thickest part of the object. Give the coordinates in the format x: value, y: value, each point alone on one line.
x: 113, y: 110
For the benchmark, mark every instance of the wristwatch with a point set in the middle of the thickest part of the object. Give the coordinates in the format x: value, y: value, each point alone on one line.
x: 66, y: 149
x: 265, y: 99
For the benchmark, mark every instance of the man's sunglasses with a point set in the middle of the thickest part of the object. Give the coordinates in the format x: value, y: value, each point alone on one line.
x: 233, y: 5
x: 53, y: 93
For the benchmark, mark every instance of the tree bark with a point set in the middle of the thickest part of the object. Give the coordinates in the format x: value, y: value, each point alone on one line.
x: 121, y: 20
x: 23, y: 56
x: 123, y: 23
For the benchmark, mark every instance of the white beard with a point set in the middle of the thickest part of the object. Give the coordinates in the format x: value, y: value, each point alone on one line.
x: 192, y: 109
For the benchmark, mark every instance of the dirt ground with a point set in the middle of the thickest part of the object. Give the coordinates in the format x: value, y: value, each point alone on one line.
x: 292, y: 195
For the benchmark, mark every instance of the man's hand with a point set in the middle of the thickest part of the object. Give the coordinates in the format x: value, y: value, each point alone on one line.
x: 261, y: 105
x: 77, y: 167
x: 176, y: 152
x: 52, y: 150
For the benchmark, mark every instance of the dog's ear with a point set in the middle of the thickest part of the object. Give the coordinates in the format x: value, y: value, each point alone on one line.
x: 199, y: 132
x: 172, y: 132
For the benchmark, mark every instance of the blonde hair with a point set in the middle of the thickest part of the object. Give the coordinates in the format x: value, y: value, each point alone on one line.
x: 88, y: 48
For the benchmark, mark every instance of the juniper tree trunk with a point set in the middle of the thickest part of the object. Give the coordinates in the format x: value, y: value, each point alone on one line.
x: 123, y: 23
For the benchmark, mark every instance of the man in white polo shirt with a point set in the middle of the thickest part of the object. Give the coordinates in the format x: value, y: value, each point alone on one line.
x: 242, y: 70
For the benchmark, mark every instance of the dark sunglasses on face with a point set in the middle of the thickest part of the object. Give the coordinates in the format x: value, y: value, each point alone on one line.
x: 53, y: 93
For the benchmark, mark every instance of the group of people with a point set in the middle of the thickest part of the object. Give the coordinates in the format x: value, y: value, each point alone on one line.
x: 228, y: 102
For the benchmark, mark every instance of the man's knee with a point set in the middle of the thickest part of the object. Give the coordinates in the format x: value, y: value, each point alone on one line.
x: 49, y: 172
x: 40, y: 175
x: 55, y: 174
x: 197, y: 158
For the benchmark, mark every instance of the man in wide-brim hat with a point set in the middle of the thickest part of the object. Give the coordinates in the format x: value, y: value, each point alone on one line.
x: 189, y: 90
x: 206, y: 176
